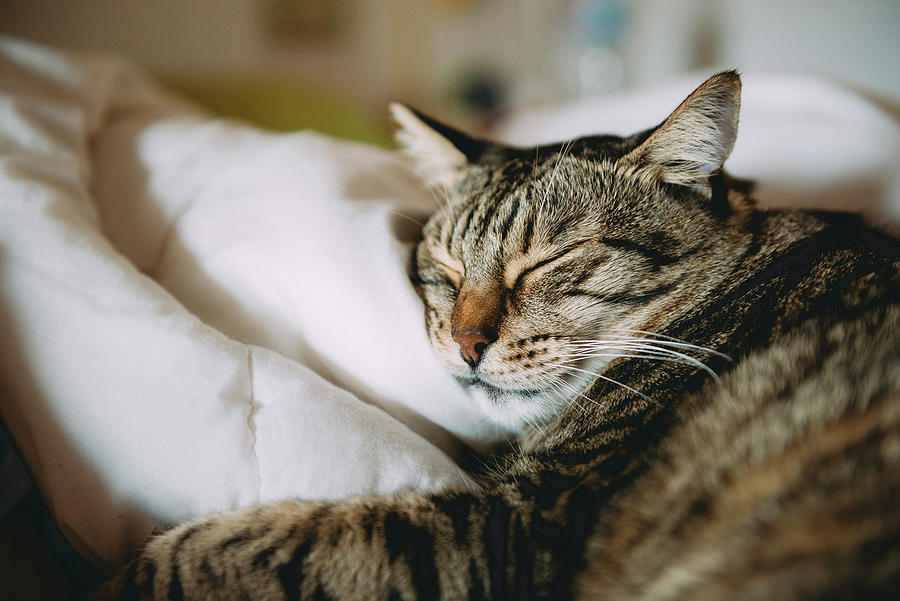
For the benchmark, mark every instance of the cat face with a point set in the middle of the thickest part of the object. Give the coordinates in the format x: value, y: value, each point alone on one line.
x: 545, y: 264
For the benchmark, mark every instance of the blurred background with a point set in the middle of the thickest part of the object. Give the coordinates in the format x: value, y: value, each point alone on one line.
x: 334, y: 64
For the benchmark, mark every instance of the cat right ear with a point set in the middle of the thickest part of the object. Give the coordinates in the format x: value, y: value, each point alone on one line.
x: 441, y: 153
x: 693, y: 142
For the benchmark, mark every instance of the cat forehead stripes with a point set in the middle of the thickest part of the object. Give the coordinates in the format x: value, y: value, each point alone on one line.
x: 536, y: 248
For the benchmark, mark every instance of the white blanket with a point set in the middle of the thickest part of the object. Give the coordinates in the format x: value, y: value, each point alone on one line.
x: 196, y: 315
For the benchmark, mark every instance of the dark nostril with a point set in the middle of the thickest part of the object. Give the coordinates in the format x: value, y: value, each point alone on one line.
x: 472, y: 345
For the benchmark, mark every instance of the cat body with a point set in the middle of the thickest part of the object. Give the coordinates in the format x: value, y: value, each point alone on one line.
x: 710, y: 394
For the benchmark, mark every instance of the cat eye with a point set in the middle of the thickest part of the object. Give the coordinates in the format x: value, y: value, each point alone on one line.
x: 447, y: 277
x: 454, y: 275
x: 451, y: 267
x: 562, y: 254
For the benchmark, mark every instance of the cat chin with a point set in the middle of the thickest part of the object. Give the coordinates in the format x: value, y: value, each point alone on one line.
x: 515, y: 410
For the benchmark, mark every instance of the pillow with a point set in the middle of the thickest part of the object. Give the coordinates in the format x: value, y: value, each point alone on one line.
x: 199, y: 316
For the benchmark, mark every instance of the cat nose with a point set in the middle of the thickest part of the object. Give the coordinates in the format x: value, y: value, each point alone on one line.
x: 473, y: 344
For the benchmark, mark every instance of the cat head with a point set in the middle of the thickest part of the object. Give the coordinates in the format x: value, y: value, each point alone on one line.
x: 546, y: 263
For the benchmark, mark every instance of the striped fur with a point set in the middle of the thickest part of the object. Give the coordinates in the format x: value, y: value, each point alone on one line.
x: 709, y: 397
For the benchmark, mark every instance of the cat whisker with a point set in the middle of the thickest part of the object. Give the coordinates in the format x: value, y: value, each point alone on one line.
x: 658, y: 346
x: 602, y: 377
x: 409, y: 217
x: 431, y: 188
x: 591, y: 355
x: 578, y: 393
x: 572, y: 389
x: 626, y: 343
x: 534, y: 424
x: 569, y: 392
x: 559, y: 158
x: 531, y: 424
x: 668, y: 342
x: 672, y: 357
x: 630, y: 345
x: 565, y: 392
x: 663, y: 339
x: 678, y: 361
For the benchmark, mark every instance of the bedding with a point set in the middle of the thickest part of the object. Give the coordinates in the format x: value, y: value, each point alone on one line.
x: 197, y: 315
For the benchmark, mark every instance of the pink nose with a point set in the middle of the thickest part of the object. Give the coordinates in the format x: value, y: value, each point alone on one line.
x: 473, y: 344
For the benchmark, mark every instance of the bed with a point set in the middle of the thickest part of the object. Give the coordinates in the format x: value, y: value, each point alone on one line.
x: 199, y: 315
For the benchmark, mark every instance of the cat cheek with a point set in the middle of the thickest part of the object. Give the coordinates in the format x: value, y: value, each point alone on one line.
x: 439, y: 339
x: 442, y: 341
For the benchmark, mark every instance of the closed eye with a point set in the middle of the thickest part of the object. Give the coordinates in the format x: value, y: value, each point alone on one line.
x: 443, y: 276
x: 451, y: 270
x: 552, y: 259
x: 453, y: 275
x: 432, y: 281
x: 623, y: 298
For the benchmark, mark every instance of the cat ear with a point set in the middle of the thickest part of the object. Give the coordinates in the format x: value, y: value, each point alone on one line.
x: 440, y: 152
x: 694, y: 141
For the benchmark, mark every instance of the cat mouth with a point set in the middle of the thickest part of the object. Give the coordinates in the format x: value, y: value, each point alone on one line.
x: 496, y: 393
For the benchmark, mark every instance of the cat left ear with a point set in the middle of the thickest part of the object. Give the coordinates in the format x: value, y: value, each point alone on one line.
x: 693, y: 142
x: 441, y: 152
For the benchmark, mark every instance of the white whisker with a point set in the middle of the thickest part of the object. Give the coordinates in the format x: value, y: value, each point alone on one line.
x: 559, y: 158
x: 564, y: 391
x: 646, y: 341
x: 658, y: 356
x: 676, y: 341
x: 676, y: 357
x: 602, y: 377
x: 568, y: 392
x: 662, y: 348
x: 439, y: 192
x: 651, y: 352
x: 409, y: 217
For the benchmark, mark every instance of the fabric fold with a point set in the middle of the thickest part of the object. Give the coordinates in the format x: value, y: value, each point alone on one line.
x: 131, y: 410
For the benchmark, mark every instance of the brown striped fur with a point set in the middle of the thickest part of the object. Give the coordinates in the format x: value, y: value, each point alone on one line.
x: 765, y: 465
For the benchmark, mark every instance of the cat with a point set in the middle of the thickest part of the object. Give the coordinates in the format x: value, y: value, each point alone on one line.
x: 709, y: 394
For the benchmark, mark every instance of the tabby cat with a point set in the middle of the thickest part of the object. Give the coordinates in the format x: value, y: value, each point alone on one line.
x: 710, y: 393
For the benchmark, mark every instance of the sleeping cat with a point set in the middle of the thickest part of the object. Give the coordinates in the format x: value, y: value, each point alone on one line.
x: 710, y: 393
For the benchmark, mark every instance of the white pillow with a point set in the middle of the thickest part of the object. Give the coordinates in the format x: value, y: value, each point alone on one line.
x: 198, y: 315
